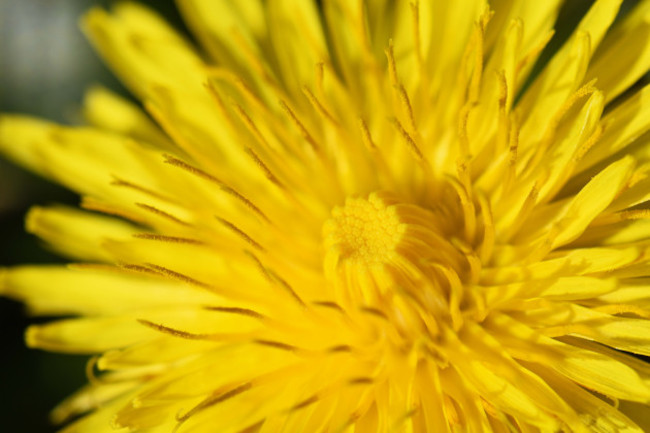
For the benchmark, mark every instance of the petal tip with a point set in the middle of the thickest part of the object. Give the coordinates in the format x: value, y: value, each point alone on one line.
x: 33, y: 219
x: 3, y: 281
x: 32, y: 336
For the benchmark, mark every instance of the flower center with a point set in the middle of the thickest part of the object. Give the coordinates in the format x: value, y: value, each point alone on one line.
x: 396, y: 259
x: 365, y: 231
x: 382, y: 232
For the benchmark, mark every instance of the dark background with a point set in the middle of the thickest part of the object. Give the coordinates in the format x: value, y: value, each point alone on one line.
x: 45, y: 66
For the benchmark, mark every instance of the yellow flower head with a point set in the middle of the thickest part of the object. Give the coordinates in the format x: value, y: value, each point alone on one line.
x: 352, y: 217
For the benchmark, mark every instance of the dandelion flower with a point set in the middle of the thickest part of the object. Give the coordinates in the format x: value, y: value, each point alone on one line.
x: 352, y: 217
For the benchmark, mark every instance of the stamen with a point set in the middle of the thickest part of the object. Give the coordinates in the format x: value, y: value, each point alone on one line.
x: 92, y: 204
x: 408, y: 108
x: 309, y: 401
x: 259, y: 266
x: 469, y: 212
x: 415, y: 150
x: 286, y: 286
x: 180, y: 277
x: 301, y: 128
x: 319, y: 107
x: 415, y: 13
x: 267, y: 172
x: 249, y: 204
x: 252, y: 127
x: 320, y: 74
x: 191, y: 169
x: 489, y: 235
x: 362, y: 380
x: 119, y: 182
x: 237, y: 310
x: 140, y: 269
x: 392, y: 66
x: 276, y: 345
x: 239, y: 83
x: 225, y: 188
x: 239, y: 232
x: 340, y: 348
x: 174, y: 332
x: 216, y: 398
x: 329, y: 304
x: 374, y: 312
x: 171, y: 239
x: 587, y: 145
x: 365, y: 135
x: 163, y: 214
x: 463, y: 138
x: 210, y: 86
x: 255, y: 428
x: 275, y: 279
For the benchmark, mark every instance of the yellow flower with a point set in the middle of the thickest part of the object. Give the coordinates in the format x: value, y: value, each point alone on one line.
x: 351, y: 219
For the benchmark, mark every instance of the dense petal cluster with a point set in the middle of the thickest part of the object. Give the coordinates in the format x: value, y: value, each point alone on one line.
x: 351, y: 217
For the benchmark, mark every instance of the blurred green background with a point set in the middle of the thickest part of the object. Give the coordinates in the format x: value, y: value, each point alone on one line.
x: 45, y: 66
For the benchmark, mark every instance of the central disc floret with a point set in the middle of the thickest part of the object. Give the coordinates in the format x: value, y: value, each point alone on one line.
x: 379, y: 245
x: 365, y: 231
x: 381, y: 230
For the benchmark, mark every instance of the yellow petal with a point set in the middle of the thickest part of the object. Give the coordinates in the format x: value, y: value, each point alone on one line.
x: 487, y: 348
x: 80, y: 335
x: 57, y: 290
x: 582, y: 262
x: 90, y: 397
x: 507, y: 396
x: 596, y: 413
x: 76, y: 233
x: 629, y: 292
x: 110, y: 111
x: 624, y: 55
x: 563, y: 288
x: 155, y: 351
x: 593, y: 370
x: 97, y: 422
x: 624, y: 124
x: 430, y: 392
x: 143, y: 49
x: 592, y: 200
x: 638, y: 413
x: 538, y: 19
x: 221, y: 24
x: 624, y: 232
x: 566, y: 71
x: 628, y: 334
x: 298, y: 41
